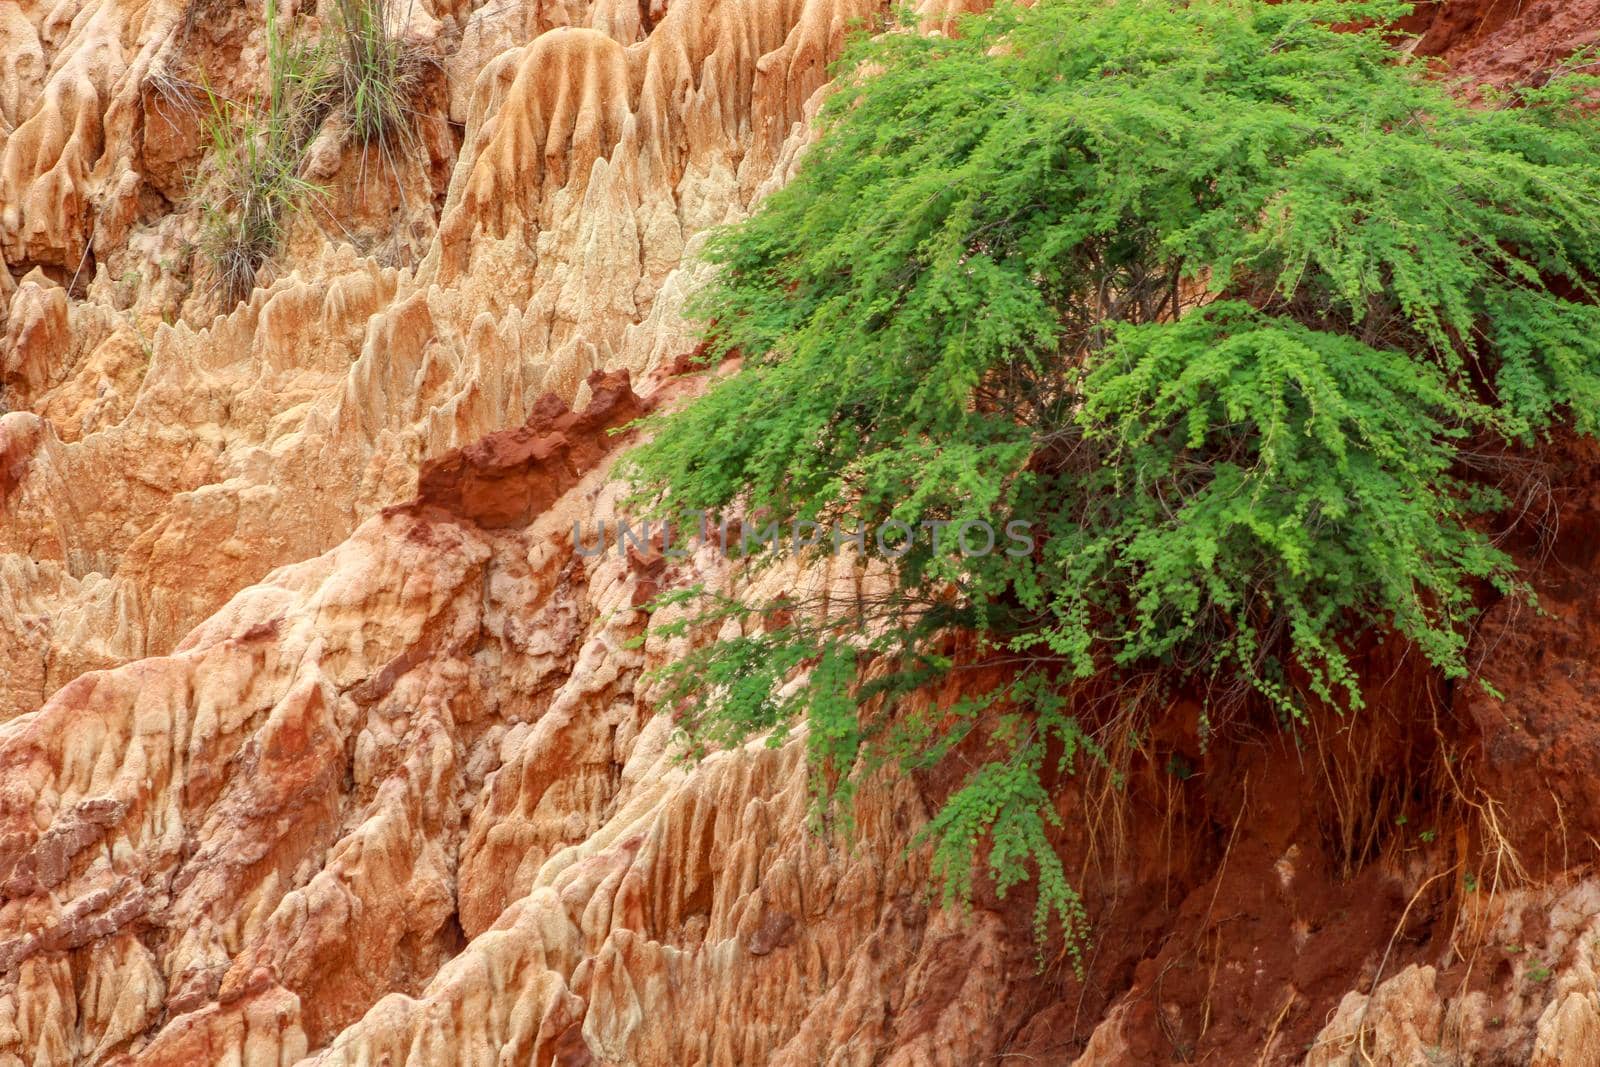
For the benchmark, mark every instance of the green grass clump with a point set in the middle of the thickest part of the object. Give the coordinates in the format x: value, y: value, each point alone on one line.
x: 258, y: 150
x: 361, y: 68
x: 1216, y: 295
x: 379, y: 73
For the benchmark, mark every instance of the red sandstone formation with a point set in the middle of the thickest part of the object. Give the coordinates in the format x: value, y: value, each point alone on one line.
x: 508, y: 478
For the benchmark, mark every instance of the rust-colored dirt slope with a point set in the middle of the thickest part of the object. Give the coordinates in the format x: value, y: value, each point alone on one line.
x: 321, y: 742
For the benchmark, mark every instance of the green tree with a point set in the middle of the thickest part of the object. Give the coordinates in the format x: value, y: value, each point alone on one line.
x: 1214, y: 294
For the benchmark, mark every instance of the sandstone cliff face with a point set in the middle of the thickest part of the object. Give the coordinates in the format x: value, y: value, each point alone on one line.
x: 220, y: 445
x: 323, y: 743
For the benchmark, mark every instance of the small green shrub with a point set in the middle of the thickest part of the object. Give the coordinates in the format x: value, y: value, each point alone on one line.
x: 1214, y: 294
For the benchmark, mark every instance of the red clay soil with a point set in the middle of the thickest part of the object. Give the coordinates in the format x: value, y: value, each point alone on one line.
x: 1540, y: 748
x: 1504, y: 41
x: 505, y: 479
x: 1252, y: 887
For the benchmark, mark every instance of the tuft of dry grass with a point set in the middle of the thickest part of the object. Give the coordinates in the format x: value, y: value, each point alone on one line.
x: 378, y: 74
x: 361, y: 68
x: 258, y: 149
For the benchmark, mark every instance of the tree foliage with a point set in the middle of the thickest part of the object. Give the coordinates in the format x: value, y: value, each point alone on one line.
x: 1213, y: 294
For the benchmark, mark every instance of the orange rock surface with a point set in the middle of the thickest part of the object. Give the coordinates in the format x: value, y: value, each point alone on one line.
x: 320, y: 743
